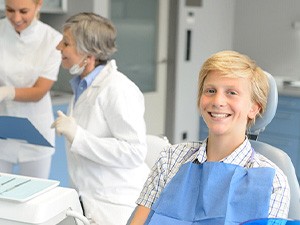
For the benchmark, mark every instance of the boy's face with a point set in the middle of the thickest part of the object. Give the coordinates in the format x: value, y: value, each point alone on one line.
x: 226, y: 105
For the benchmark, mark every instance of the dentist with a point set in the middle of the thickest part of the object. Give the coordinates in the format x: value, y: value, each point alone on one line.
x: 105, y: 129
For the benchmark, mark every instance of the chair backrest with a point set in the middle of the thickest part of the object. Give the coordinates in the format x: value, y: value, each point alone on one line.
x: 272, y: 102
x: 155, y: 145
x: 283, y: 161
x: 276, y: 155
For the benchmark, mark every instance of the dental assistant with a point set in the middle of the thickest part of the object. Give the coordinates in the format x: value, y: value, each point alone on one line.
x: 29, y: 65
x: 105, y: 129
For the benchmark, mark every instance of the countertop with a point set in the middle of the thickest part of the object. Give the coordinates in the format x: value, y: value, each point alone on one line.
x: 288, y: 86
x: 289, y: 91
x: 60, y: 98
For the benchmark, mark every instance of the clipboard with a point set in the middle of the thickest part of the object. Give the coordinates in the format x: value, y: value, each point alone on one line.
x: 19, y: 128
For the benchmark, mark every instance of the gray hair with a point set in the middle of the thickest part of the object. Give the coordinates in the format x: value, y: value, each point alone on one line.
x: 93, y: 35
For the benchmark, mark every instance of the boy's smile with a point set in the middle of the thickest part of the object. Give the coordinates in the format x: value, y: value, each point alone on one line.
x: 219, y: 115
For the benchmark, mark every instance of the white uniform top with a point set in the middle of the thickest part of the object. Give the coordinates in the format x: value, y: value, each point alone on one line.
x: 24, y: 58
x: 106, y: 158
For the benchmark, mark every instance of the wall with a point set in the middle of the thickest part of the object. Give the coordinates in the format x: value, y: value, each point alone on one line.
x: 263, y: 30
x: 212, y: 31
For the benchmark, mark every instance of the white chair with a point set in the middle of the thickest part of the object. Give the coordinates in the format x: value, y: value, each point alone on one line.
x: 155, y: 144
x: 278, y: 156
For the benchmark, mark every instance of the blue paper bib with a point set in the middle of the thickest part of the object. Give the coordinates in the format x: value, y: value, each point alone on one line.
x: 213, y: 193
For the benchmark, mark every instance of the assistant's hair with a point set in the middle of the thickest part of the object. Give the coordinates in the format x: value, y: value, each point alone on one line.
x: 93, y: 35
x: 36, y: 2
x: 234, y: 64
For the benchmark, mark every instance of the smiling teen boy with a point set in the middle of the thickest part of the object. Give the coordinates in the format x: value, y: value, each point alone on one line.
x: 221, y: 180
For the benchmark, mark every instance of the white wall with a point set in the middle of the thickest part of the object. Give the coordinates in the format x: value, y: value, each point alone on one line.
x: 263, y: 30
x: 212, y: 32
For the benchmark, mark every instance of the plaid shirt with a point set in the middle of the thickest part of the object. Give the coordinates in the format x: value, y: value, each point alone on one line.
x: 173, y: 157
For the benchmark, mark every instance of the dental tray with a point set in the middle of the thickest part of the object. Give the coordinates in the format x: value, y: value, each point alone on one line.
x: 22, y: 188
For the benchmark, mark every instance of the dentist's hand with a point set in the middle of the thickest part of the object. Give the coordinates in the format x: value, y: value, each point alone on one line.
x: 65, y: 125
x: 7, y: 93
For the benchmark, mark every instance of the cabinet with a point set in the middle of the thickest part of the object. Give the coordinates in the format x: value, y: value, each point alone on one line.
x: 49, y: 6
x: 283, y: 132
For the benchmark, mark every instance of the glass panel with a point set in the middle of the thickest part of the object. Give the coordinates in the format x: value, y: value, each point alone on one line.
x: 136, y: 23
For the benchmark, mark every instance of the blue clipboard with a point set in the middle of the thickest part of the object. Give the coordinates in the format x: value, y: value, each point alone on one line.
x: 21, y: 129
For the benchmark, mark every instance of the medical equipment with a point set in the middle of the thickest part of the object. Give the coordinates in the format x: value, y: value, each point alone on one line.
x: 26, y: 200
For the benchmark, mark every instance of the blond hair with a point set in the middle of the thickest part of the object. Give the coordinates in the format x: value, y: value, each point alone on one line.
x: 236, y: 65
x: 38, y: 12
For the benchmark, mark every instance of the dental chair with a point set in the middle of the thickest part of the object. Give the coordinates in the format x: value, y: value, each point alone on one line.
x: 276, y: 155
x: 155, y: 144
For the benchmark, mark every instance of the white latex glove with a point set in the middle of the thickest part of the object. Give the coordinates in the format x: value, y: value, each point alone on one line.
x: 7, y: 93
x: 65, y: 125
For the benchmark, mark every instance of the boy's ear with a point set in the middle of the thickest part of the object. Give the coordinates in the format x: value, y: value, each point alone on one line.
x: 254, y: 111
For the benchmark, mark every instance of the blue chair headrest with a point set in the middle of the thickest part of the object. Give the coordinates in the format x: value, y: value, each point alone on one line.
x: 268, y: 115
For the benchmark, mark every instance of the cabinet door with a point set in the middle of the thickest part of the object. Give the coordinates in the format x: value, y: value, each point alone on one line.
x: 284, y: 130
x: 285, y: 123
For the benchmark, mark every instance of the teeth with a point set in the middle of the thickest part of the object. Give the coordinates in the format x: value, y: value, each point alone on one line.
x: 217, y: 115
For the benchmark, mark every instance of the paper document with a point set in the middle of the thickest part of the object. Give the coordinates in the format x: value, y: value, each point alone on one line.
x: 21, y: 129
